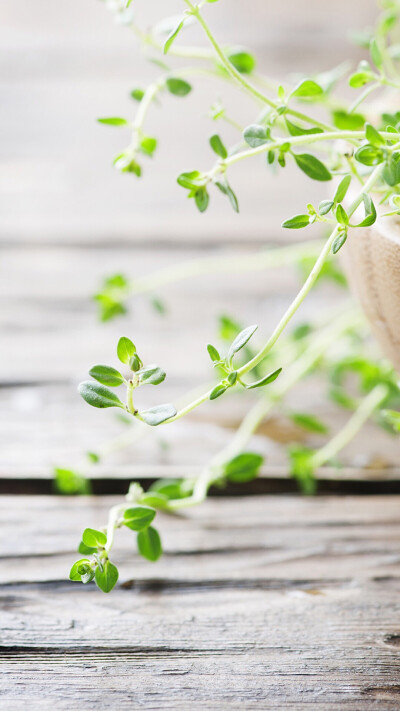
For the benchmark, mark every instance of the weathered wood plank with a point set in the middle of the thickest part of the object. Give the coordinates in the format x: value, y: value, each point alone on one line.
x: 271, y: 602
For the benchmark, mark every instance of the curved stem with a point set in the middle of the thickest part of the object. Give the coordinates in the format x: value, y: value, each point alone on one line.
x: 367, y: 407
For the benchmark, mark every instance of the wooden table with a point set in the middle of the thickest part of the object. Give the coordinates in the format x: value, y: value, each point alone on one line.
x: 262, y: 603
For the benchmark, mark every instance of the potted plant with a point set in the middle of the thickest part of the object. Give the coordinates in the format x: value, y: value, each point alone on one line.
x: 353, y: 148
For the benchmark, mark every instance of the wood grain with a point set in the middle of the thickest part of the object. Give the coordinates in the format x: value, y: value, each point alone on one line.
x: 279, y: 602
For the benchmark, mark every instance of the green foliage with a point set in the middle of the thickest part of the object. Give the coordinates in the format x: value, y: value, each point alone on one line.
x: 138, y: 518
x: 149, y: 544
x: 243, y: 468
x: 98, y: 395
x: 311, y: 423
x: 156, y: 415
x: 302, y: 468
x: 125, y: 349
x: 312, y: 166
x: 106, y: 375
x: 106, y: 576
x: 178, y: 87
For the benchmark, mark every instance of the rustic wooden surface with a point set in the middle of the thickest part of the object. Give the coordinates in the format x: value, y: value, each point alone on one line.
x: 276, y: 602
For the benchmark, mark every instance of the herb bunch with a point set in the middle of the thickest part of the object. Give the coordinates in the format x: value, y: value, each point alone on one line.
x: 357, y: 147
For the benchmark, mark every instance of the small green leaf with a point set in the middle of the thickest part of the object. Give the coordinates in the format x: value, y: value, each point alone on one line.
x: 307, y: 88
x: 391, y: 170
x: 114, y: 121
x: 297, y: 222
x: 68, y: 482
x: 135, y: 363
x: 218, y: 147
x: 232, y: 198
x: 154, y: 499
x: 98, y: 395
x: 369, y: 155
x: 138, y: 518
x: 137, y: 94
x: 342, y: 189
x: 325, y: 206
x: 219, y: 390
x: 149, y: 544
x: 190, y: 180
x: 106, y: 375
x: 376, y: 54
x: 241, y: 339
x: 148, y: 145
x: 107, y: 576
x: 93, y: 538
x: 302, y: 468
x: 256, y: 135
x: 86, y: 550
x: 312, y: 166
x: 156, y: 415
x: 202, y: 199
x: 244, y: 467
x: 151, y: 375
x: 125, y: 349
x: 392, y: 417
x: 93, y: 457
x: 341, y: 215
x: 83, y: 565
x: 295, y: 130
x: 339, y: 242
x: 232, y: 377
x: 172, y: 36
x: 373, y: 136
x: 213, y: 353
x: 309, y: 422
x: 171, y: 488
x: 348, y: 122
x: 370, y: 211
x: 359, y: 79
x: 244, y: 62
x: 266, y: 380
x: 178, y: 87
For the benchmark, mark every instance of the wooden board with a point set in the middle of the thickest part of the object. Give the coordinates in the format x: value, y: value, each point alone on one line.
x: 276, y: 602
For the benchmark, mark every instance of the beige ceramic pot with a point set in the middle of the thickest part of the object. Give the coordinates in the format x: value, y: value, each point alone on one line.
x: 372, y: 263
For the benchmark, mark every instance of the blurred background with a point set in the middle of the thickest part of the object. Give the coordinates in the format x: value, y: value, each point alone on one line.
x: 68, y: 220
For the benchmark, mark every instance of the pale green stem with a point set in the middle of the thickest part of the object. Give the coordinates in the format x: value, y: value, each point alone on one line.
x: 307, y: 286
x: 298, y: 369
x: 363, y: 96
x: 367, y: 407
x: 266, y: 259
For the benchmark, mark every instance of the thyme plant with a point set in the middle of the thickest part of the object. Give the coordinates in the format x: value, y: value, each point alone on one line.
x: 355, y: 146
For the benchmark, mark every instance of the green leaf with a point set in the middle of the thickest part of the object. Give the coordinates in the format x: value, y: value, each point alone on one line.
x: 125, y: 349
x: 202, y: 199
x: 391, y: 170
x: 359, y: 79
x: 307, y: 88
x: 348, y: 122
x: 369, y: 155
x: 68, y: 481
x: 219, y: 390
x: 218, y: 147
x: 373, y: 136
x: 149, y: 544
x: 256, y: 135
x: 232, y: 198
x: 93, y: 538
x: 342, y: 189
x: 148, y: 145
x: 244, y: 467
x: 151, y: 375
x: 309, y: 422
x: 156, y: 415
x: 172, y: 36
x: 295, y: 130
x: 392, y: 417
x: 107, y: 576
x: 312, y: 166
x: 86, y: 550
x: 138, y: 518
x: 302, y: 468
x: 190, y: 180
x: 114, y: 121
x: 178, y: 87
x: 106, y: 375
x: 135, y: 363
x: 324, y: 207
x: 266, y: 380
x: 154, y: 499
x: 213, y: 353
x: 376, y: 55
x: 339, y: 242
x: 370, y: 211
x: 243, y: 61
x: 241, y: 339
x: 81, y: 565
x: 137, y: 94
x: 171, y: 488
x: 232, y: 377
x: 297, y: 222
x: 98, y: 395
x: 341, y: 215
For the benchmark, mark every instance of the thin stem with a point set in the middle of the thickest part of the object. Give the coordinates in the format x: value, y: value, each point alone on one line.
x: 367, y: 407
x: 363, y: 96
